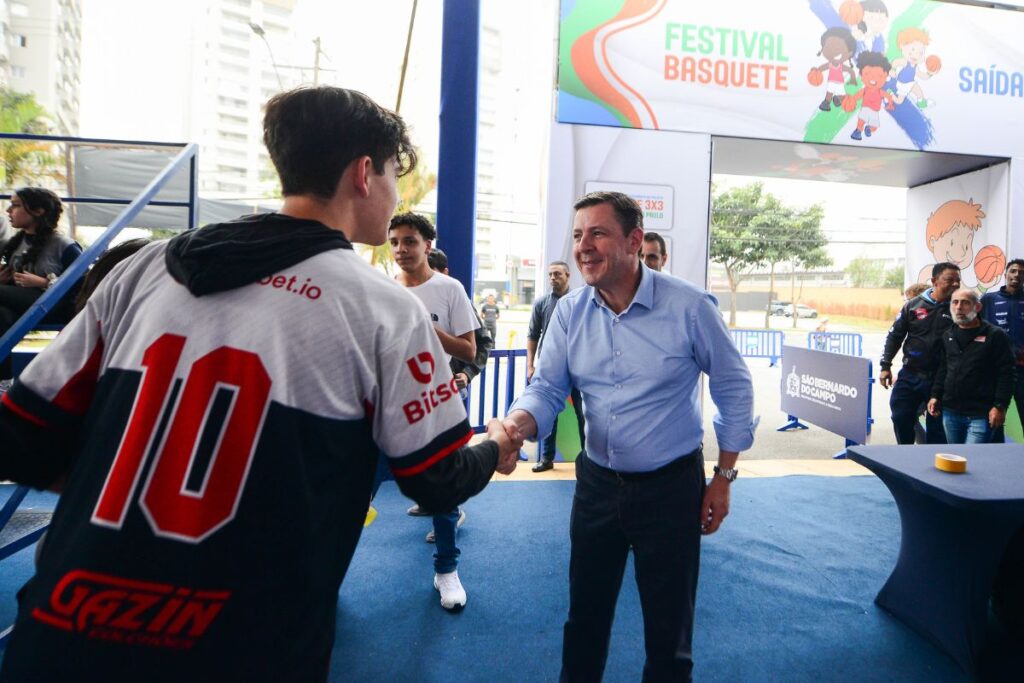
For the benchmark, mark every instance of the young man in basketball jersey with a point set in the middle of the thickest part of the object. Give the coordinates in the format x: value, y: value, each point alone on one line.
x: 218, y: 410
x: 451, y: 313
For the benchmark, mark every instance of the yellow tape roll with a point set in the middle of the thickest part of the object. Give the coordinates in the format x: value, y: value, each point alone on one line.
x: 947, y: 462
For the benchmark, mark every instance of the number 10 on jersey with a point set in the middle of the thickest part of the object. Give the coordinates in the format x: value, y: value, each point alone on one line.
x: 173, y: 507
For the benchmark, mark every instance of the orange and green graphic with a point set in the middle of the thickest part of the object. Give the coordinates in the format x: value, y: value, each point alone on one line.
x: 586, y: 75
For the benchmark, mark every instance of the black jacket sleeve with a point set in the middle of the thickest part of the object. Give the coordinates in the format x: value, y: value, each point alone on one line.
x: 32, y: 454
x: 939, y: 383
x: 893, y: 340
x: 537, y: 319
x: 484, y: 344
x: 452, y: 480
x: 1004, y: 363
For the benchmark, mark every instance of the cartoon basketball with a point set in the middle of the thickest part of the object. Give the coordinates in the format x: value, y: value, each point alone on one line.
x: 814, y: 77
x: 849, y: 103
x: 989, y: 263
x: 932, y: 63
x: 851, y: 12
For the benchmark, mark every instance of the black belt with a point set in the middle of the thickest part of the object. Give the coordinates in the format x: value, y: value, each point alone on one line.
x: 677, y: 465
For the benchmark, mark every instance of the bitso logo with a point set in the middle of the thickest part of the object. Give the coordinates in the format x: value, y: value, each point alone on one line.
x: 421, y: 367
x: 131, y: 612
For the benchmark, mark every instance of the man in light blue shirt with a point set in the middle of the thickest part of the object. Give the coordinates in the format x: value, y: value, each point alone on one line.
x: 635, y: 342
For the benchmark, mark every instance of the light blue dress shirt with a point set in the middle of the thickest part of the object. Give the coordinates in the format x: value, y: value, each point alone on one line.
x: 639, y: 371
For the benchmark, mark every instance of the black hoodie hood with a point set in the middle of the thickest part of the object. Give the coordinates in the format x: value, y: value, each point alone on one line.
x: 224, y: 256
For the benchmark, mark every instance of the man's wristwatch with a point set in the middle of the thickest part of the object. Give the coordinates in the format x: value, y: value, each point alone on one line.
x: 727, y: 474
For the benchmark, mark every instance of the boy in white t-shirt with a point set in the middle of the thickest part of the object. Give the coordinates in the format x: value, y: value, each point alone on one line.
x: 451, y: 312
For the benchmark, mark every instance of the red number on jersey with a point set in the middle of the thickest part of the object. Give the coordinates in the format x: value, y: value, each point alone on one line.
x: 172, y: 509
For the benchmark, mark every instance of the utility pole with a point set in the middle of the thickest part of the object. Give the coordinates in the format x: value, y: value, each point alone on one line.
x: 405, y: 59
x: 316, y: 61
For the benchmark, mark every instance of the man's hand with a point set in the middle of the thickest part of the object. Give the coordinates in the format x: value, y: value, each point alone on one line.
x: 6, y: 274
x: 529, y: 371
x: 508, y: 448
x: 461, y: 380
x: 715, y: 506
x: 885, y: 378
x: 935, y: 408
x: 996, y: 417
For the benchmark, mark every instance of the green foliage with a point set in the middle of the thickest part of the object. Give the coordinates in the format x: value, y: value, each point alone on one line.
x: 751, y: 228
x: 894, y: 277
x: 25, y: 162
x: 865, y: 272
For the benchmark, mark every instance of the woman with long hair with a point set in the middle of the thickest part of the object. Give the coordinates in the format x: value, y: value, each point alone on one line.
x: 33, y: 258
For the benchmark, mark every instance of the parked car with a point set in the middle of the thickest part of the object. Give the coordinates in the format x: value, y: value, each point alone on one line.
x: 801, y: 311
x: 779, y: 307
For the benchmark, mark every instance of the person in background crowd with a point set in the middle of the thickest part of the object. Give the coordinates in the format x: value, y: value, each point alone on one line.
x: 558, y: 278
x: 244, y: 540
x: 636, y: 342
x: 920, y: 436
x: 33, y: 259
x: 490, y: 314
x: 653, y: 252
x: 974, y: 380
x: 451, y: 312
x: 919, y: 328
x: 1004, y: 308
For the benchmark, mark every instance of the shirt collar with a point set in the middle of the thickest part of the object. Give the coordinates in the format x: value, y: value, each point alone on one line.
x: 644, y: 295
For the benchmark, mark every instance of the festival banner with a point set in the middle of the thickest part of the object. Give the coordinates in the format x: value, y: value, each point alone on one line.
x: 898, y: 74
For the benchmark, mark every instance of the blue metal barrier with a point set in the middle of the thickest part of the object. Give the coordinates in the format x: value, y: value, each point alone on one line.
x: 846, y: 343
x: 759, y: 343
x: 495, y: 388
x: 53, y: 294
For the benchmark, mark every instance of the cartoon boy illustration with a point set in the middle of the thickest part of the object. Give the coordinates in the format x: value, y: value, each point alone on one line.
x: 874, y: 71
x: 837, y: 46
x: 949, y: 235
x: 912, y: 67
x: 869, y: 23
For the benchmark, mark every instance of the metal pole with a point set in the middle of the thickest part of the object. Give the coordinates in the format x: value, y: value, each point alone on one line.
x: 316, y: 62
x: 405, y: 59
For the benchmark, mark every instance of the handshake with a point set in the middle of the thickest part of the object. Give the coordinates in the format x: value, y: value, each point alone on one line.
x: 509, y: 439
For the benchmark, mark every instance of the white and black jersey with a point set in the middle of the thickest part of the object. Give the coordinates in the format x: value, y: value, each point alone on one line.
x: 218, y: 410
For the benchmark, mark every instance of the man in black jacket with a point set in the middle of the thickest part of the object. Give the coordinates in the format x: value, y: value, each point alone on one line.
x: 974, y: 380
x: 919, y: 328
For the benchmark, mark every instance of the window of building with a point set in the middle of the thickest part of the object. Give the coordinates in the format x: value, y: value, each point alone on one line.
x: 17, y: 71
x: 18, y: 40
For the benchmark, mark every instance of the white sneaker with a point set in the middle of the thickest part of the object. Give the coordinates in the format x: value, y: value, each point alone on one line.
x: 416, y: 511
x: 453, y: 595
x: 462, y: 520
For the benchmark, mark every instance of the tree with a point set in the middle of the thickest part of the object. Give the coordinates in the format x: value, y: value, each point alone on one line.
x: 894, y: 278
x: 734, y: 241
x: 25, y: 162
x: 865, y: 272
x: 751, y: 228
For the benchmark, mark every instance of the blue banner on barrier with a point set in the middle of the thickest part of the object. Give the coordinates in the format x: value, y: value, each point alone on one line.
x: 830, y: 390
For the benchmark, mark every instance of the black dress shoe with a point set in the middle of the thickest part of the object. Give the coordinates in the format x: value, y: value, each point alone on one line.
x: 544, y: 466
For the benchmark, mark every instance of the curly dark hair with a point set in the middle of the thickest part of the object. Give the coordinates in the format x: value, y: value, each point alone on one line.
x: 421, y: 224
x: 35, y: 199
x: 865, y: 59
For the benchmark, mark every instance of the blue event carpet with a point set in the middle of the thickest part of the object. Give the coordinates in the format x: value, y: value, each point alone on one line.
x: 786, y: 591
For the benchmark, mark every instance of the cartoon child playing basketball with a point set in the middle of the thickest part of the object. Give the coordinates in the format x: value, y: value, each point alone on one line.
x: 837, y: 46
x: 869, y: 23
x: 949, y: 235
x: 912, y: 67
x: 874, y: 71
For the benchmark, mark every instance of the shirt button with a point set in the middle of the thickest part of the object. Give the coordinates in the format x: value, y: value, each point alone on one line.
x: 613, y: 417
x: 616, y: 321
x: 618, y: 386
x: 618, y: 353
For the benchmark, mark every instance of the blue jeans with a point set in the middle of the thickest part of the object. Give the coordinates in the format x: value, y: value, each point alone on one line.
x: 446, y: 553
x: 908, y: 393
x: 961, y: 428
